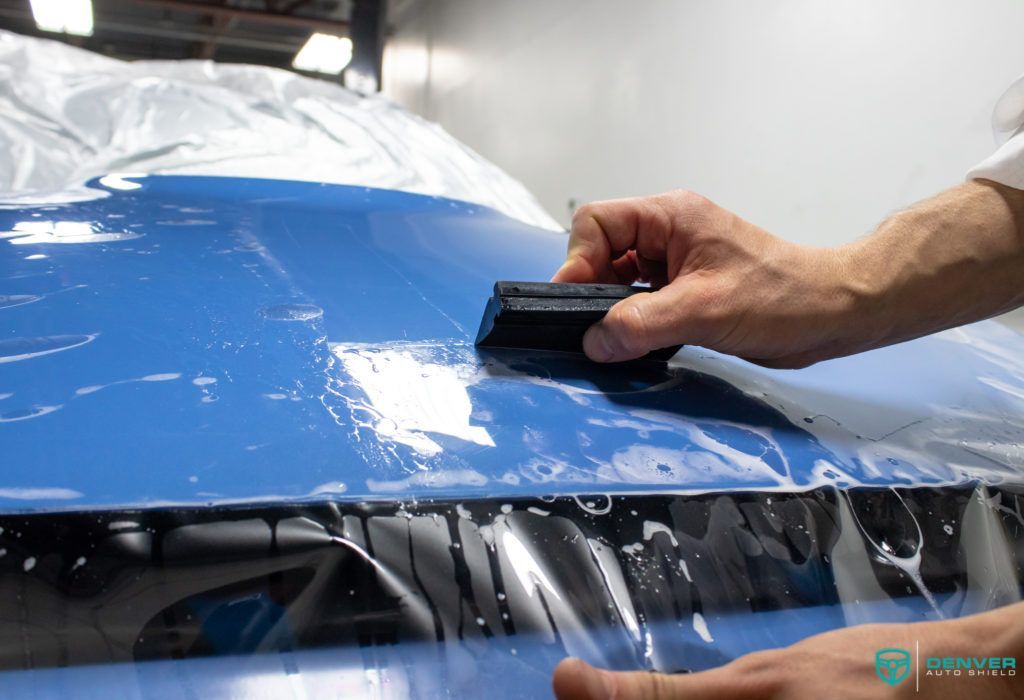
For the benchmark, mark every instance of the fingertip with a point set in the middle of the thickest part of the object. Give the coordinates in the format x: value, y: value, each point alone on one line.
x: 572, y: 271
x: 597, y: 345
x: 560, y: 273
x: 575, y: 679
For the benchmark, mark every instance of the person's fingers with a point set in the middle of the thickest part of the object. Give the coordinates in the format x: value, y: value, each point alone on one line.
x: 578, y: 268
x: 604, y: 231
x: 640, y: 323
x: 625, y: 268
x: 576, y: 680
x: 653, y: 271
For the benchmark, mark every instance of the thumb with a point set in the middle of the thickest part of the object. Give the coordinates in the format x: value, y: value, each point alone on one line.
x: 638, y: 324
x: 576, y: 680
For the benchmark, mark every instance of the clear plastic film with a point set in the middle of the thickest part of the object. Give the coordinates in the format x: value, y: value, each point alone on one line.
x: 429, y: 599
x: 68, y: 115
x: 248, y: 449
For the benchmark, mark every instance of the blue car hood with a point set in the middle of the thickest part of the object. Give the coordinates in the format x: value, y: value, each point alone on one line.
x: 246, y: 443
x: 194, y: 340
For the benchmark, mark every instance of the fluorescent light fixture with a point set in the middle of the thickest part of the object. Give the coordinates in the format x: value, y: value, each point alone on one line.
x: 324, y: 53
x: 67, y: 16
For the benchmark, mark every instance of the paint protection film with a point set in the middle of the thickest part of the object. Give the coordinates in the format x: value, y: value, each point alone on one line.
x: 425, y: 599
x: 248, y: 448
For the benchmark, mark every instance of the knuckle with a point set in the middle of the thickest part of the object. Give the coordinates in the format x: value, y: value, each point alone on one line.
x: 689, y: 200
x: 584, y: 212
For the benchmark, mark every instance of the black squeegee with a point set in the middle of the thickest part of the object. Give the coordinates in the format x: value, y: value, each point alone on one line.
x: 550, y: 316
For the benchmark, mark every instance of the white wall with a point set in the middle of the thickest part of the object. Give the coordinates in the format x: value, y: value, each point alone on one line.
x: 812, y: 118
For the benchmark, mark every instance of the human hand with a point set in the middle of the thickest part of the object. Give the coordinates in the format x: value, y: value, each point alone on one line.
x: 725, y: 284
x: 836, y: 664
x: 718, y: 281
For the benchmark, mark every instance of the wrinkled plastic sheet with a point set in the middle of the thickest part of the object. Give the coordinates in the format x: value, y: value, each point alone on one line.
x: 68, y: 115
x: 432, y: 599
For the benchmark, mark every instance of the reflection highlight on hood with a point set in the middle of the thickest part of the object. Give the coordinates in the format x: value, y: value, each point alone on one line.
x: 440, y: 408
x: 33, y: 232
x: 412, y: 400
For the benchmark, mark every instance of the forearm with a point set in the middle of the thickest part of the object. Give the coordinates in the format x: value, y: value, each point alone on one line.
x: 998, y: 632
x: 726, y: 284
x: 953, y: 259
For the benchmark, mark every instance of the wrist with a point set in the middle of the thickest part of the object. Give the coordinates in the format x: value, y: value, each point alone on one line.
x: 856, y: 289
x: 951, y: 260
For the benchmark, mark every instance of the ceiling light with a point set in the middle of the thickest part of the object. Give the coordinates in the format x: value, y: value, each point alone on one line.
x: 324, y: 53
x: 68, y: 16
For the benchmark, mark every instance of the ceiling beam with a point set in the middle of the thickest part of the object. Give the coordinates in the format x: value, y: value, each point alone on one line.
x: 274, y: 45
x: 279, y: 19
x: 217, y: 27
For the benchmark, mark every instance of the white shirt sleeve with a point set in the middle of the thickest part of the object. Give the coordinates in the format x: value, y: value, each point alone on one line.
x: 1006, y: 165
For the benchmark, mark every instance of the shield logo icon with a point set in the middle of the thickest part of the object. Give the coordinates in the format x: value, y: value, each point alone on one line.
x: 892, y: 665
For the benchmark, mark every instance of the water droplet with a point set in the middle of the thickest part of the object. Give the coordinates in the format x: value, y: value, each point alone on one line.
x: 26, y: 413
x: 9, y: 300
x: 165, y: 377
x: 595, y: 505
x: 17, y: 349
x: 291, y: 312
x: 187, y: 222
x: 29, y: 564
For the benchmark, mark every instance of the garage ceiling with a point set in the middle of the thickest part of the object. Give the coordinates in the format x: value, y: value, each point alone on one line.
x: 264, y: 32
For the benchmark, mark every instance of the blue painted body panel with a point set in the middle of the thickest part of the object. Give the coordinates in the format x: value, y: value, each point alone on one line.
x: 228, y: 340
x: 187, y: 341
